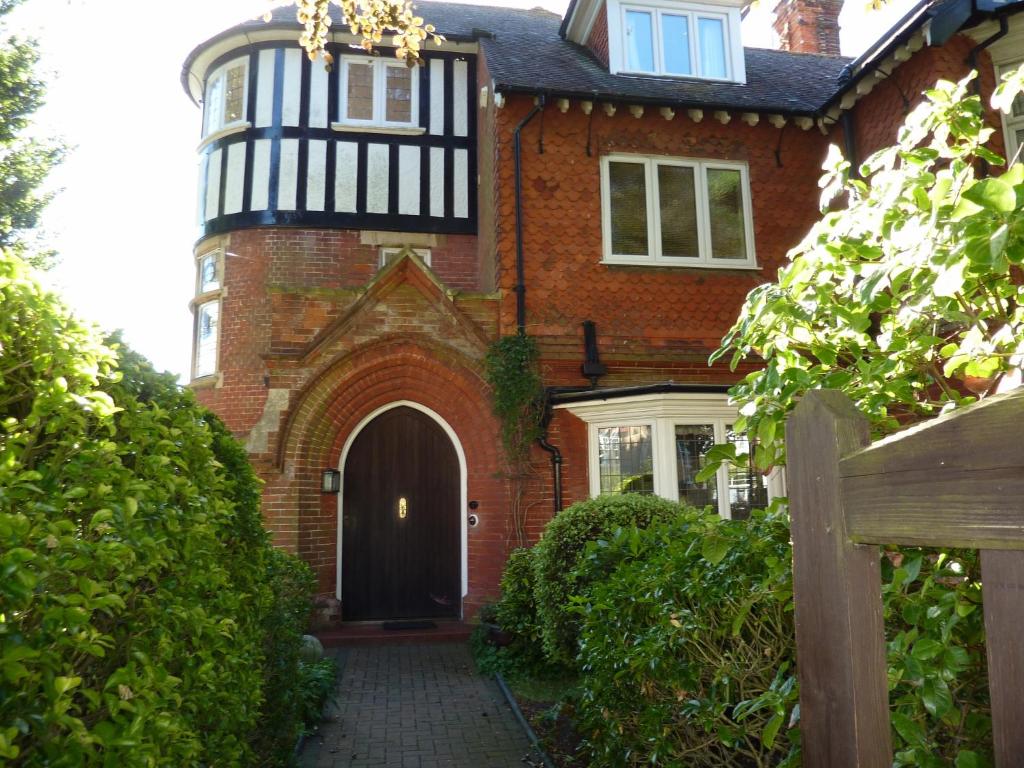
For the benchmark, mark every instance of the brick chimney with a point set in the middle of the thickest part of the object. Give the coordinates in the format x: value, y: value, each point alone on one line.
x: 808, y: 26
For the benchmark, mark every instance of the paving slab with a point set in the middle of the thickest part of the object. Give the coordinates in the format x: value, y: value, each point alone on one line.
x: 416, y: 706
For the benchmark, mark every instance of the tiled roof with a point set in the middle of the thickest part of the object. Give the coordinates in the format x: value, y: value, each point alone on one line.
x: 525, y: 53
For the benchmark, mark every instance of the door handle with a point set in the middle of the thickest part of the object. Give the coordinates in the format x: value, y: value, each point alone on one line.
x: 403, y: 508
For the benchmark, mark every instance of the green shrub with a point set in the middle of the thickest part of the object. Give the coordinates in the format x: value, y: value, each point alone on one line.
x: 283, y: 714
x: 558, y: 553
x: 687, y: 649
x: 135, y: 577
x: 516, y: 612
x: 316, y: 680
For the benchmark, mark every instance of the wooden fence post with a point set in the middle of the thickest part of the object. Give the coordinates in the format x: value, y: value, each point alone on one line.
x: 1002, y: 594
x: 844, y: 702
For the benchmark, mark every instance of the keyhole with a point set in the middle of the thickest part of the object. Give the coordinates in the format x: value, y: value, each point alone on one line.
x: 403, y: 508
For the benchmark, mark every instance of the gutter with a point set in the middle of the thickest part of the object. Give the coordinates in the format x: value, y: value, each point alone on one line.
x: 575, y: 395
x: 520, y: 288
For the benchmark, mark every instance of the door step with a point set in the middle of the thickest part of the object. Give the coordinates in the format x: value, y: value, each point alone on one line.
x: 395, y: 632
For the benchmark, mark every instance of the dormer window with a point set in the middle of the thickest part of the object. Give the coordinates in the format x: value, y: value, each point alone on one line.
x: 226, y: 92
x: 677, y: 40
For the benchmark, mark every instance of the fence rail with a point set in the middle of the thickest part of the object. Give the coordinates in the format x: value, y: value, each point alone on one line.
x: 957, y: 481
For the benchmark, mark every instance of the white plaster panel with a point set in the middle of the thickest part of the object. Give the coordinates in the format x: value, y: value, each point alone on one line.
x: 460, y: 84
x: 260, y: 175
x: 292, y: 86
x: 409, y: 180
x: 316, y: 175
x: 213, y: 185
x: 437, y: 97
x: 377, y: 178
x: 345, y: 175
x: 265, y: 89
x: 318, y: 94
x: 234, y: 185
x: 436, y: 181
x: 288, y: 173
x: 201, y: 191
x: 460, y: 204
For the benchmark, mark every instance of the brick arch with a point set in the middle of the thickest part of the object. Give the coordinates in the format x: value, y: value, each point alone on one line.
x: 331, y: 407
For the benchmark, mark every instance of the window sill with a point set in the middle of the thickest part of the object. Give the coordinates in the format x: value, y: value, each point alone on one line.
x: 226, y: 131
x: 398, y: 130
x: 210, y: 381
x: 671, y: 76
x: 619, y: 262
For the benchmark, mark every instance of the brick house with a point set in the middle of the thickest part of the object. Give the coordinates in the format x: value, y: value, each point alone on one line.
x: 613, y: 183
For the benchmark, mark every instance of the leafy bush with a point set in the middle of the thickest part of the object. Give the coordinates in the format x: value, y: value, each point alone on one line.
x: 136, y: 577
x: 516, y: 612
x: 558, y: 553
x: 687, y: 643
x: 316, y: 681
x: 284, y: 710
x: 682, y: 624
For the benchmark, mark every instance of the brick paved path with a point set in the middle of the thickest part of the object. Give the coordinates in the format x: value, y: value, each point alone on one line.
x: 417, y: 706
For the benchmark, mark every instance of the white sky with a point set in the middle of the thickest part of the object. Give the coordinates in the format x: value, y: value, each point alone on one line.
x: 124, y: 224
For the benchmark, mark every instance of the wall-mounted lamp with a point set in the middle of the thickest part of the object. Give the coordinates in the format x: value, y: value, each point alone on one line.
x: 330, y: 482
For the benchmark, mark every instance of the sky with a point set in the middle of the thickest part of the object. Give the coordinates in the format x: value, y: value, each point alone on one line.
x: 124, y: 222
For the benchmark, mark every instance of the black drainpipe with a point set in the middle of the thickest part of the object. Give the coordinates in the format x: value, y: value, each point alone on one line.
x: 850, y: 140
x: 972, y: 62
x: 520, y: 269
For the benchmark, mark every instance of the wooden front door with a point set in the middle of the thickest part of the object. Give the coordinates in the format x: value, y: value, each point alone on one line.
x: 400, y: 520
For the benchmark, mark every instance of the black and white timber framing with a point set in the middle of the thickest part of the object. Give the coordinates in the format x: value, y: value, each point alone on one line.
x: 287, y: 166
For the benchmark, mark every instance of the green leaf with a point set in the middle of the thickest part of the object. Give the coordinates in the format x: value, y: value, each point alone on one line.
x: 910, y: 731
x: 715, y: 548
x: 993, y: 194
x: 926, y: 648
x: 968, y: 759
x: 936, y: 696
x: 771, y: 728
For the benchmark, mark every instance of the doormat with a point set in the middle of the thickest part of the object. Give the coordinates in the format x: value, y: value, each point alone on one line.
x: 425, y: 624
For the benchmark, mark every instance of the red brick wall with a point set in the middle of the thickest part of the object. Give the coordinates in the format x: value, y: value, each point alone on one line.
x: 597, y: 40
x: 879, y: 114
x: 653, y: 323
x: 808, y: 26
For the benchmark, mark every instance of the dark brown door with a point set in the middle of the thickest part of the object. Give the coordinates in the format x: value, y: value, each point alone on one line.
x: 400, y: 526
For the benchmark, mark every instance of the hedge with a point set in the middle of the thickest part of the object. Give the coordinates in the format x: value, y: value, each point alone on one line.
x: 138, y: 589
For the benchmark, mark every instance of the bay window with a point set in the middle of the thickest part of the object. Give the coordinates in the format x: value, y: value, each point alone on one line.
x: 658, y: 444
x: 226, y: 93
x: 1013, y: 123
x: 676, y: 211
x: 206, y: 309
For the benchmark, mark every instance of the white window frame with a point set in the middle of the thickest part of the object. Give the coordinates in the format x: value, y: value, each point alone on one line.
x: 1011, y: 123
x: 380, y: 66
x: 387, y: 251
x: 729, y: 16
x: 661, y: 413
x: 220, y: 73
x: 202, y: 298
x: 705, y: 259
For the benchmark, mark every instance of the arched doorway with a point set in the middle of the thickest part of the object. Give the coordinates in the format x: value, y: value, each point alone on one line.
x: 401, y: 517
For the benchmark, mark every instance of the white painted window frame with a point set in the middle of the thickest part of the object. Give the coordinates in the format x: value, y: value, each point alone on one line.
x: 730, y: 16
x: 378, y: 120
x: 392, y: 250
x: 202, y: 298
x: 221, y: 74
x: 705, y: 260
x: 661, y: 413
x: 1011, y: 123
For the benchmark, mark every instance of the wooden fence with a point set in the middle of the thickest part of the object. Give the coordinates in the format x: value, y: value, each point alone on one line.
x: 956, y: 481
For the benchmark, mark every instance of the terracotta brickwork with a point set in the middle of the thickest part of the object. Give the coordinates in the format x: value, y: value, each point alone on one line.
x: 654, y: 323
x: 808, y: 26
x: 878, y: 116
x: 597, y: 40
